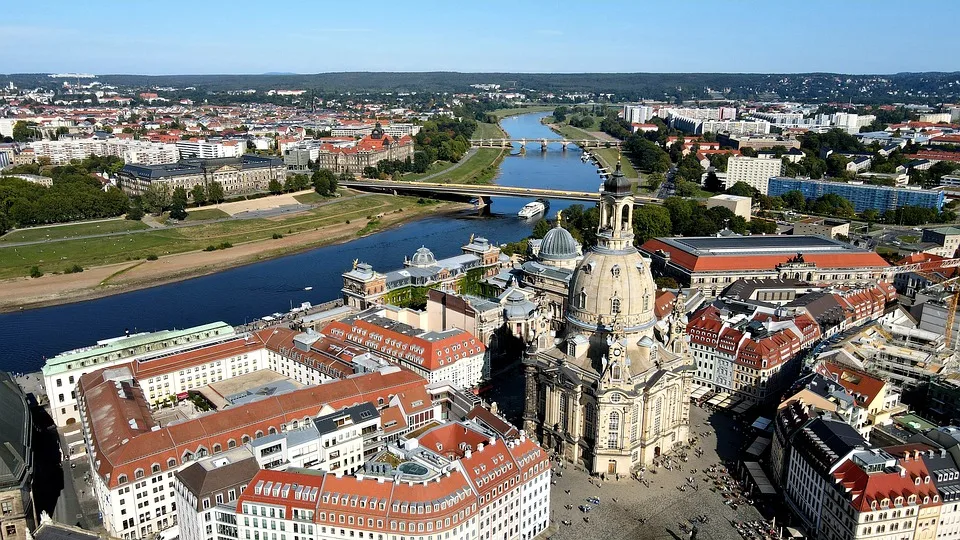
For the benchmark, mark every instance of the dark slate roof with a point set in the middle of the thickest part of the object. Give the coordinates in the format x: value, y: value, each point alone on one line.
x: 198, y: 166
x: 822, y: 306
x: 16, y: 430
x: 218, y: 473
x: 824, y: 440
x: 358, y: 413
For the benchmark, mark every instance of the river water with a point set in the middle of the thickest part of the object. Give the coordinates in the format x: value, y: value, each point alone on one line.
x: 249, y: 292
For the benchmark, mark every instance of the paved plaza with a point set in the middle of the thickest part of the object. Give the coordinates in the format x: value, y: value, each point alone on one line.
x: 660, y: 504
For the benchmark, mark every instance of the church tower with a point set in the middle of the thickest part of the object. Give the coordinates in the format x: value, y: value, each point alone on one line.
x: 615, y: 232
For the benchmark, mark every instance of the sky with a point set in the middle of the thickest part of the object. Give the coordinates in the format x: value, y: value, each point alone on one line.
x: 303, y: 36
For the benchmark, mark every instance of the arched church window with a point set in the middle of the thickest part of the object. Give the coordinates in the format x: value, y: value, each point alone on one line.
x: 614, y: 305
x: 615, y: 374
x: 581, y: 300
x: 615, y: 270
x: 635, y: 423
x: 646, y: 302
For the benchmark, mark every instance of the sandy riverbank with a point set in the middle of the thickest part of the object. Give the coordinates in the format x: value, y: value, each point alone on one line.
x: 99, y: 281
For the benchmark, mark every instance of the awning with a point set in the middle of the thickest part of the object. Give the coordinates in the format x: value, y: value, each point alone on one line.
x: 729, y: 403
x: 759, y: 478
x: 699, y: 392
x: 762, y: 423
x: 718, y: 399
x: 758, y: 446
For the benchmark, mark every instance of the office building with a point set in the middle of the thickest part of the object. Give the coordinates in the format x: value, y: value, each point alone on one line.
x: 134, y: 151
x: 755, y: 172
x: 353, y: 157
x: 946, y: 238
x: 829, y: 228
x: 862, y: 196
x: 238, y: 175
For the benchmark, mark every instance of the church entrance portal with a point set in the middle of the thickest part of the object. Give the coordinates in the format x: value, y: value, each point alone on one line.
x: 612, y: 466
x: 656, y: 452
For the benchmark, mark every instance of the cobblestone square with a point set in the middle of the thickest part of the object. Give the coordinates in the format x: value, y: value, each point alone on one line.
x: 662, y: 505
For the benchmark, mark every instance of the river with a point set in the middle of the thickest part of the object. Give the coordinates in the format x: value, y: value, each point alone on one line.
x: 249, y: 292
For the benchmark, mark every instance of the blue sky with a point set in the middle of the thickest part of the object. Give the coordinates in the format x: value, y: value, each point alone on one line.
x: 208, y: 36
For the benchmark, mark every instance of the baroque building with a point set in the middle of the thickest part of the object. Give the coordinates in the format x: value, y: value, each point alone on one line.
x: 609, y: 395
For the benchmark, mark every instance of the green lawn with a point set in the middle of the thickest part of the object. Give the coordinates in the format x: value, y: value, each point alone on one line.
x: 480, y: 168
x: 571, y: 132
x: 435, y: 167
x: 58, y: 256
x: 487, y: 131
x: 205, y: 214
x: 72, y: 231
x: 608, y: 157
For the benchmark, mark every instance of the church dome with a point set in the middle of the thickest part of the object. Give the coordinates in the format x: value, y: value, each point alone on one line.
x: 612, y: 288
x: 423, y: 257
x: 558, y: 244
x: 617, y: 184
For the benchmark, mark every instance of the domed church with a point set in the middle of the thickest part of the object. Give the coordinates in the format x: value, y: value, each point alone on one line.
x: 609, y: 396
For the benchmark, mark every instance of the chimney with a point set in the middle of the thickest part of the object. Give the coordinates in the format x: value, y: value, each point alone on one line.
x: 479, y: 447
x: 916, y: 454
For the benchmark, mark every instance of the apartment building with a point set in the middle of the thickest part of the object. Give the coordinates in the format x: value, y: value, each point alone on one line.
x: 451, y: 355
x: 203, y: 149
x: 63, y: 152
x: 638, y: 114
x: 751, y: 354
x: 455, y: 481
x: 206, y: 492
x: 755, y: 172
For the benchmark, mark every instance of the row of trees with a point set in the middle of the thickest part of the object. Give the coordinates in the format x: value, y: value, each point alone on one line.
x: 74, y: 195
x: 296, y: 182
x: 442, y: 138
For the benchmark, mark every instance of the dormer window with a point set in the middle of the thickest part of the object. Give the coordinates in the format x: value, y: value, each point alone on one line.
x: 615, y: 270
x: 615, y: 305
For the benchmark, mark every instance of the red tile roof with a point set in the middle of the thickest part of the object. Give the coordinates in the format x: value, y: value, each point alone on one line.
x: 862, y: 386
x: 694, y: 263
x: 123, y: 447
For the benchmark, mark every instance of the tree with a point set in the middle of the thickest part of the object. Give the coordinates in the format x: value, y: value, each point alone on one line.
x: 870, y: 215
x: 742, y: 189
x: 666, y: 282
x: 215, y: 192
x: 541, y: 228
x: 712, y: 182
x: 748, y: 152
x: 275, y: 187
x: 199, y: 195
x: 560, y: 113
x: 322, y: 180
x: 23, y: 131
x: 135, y: 213
x: 650, y: 221
x: 795, y: 200
x: 178, y: 204
x: 156, y: 198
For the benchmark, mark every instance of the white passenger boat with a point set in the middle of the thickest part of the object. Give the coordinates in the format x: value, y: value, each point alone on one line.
x: 532, y: 209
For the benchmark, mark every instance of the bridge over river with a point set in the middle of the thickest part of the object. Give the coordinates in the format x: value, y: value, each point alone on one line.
x: 506, y: 143
x: 482, y: 192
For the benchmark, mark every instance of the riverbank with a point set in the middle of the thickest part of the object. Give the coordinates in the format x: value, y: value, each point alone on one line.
x: 606, y: 156
x: 115, y: 278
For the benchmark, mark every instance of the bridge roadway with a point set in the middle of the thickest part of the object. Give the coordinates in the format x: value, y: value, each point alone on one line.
x: 505, y: 143
x: 481, y: 191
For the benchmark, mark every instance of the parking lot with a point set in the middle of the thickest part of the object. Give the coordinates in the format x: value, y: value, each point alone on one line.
x: 657, y: 507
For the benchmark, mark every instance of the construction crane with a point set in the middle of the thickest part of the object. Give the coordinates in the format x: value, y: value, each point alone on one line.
x: 925, y: 266
x: 949, y: 285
